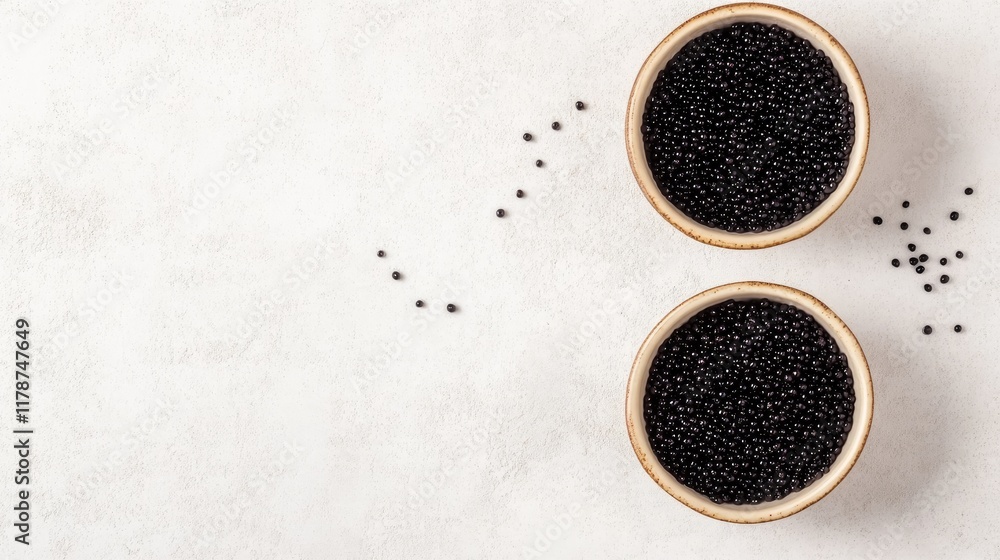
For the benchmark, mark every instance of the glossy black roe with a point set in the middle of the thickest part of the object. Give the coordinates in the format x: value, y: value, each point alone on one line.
x: 953, y: 216
x: 904, y: 225
x: 877, y: 220
x: 748, y: 128
x: 748, y: 401
x: 928, y: 329
x: 527, y: 137
x: 958, y: 328
x: 579, y: 105
x: 895, y: 263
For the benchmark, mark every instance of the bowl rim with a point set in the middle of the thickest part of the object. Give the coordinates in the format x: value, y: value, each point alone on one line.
x: 713, y: 19
x: 796, y: 501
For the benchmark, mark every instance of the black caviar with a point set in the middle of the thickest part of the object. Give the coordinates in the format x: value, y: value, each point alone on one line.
x: 914, y: 261
x: 877, y: 220
x: 556, y: 125
x: 501, y: 213
x: 928, y: 329
x: 579, y: 105
x: 451, y: 308
x: 928, y: 287
x: 527, y: 137
x: 945, y: 279
x: 895, y: 263
x: 420, y: 303
x: 959, y: 254
x: 748, y: 401
x: 519, y: 193
x: 968, y: 190
x: 906, y: 204
x: 538, y: 163
x: 748, y: 128
x: 927, y: 230
x: 904, y: 225
x: 923, y: 257
x: 395, y: 275
x: 958, y: 328
x: 920, y: 269
x: 911, y: 247
x: 953, y: 216
x: 943, y: 261
x: 380, y: 254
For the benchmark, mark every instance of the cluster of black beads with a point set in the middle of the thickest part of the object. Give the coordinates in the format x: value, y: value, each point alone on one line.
x: 748, y: 128
x: 748, y: 401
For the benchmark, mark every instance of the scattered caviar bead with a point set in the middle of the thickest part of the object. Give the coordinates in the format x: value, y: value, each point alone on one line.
x: 923, y: 257
x: 953, y: 216
x: 945, y: 278
x: 395, y: 275
x: 928, y: 287
x: 904, y: 225
x: 748, y: 401
x: 906, y: 204
x: 420, y: 303
x: 451, y: 308
x: 527, y: 137
x: 927, y: 230
x: 958, y: 328
x: 943, y: 261
x: 895, y: 263
x: 928, y: 329
x: 555, y: 125
x: 748, y: 128
x: 920, y: 269
x: 501, y: 213
x: 519, y: 193
x: 877, y: 220
x: 538, y: 163
x: 380, y: 254
x: 968, y: 190
x: 959, y: 254
x: 911, y: 247
x: 579, y: 105
x: 914, y: 261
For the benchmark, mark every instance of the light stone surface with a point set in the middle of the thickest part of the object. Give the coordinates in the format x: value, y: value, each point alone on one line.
x: 194, y: 193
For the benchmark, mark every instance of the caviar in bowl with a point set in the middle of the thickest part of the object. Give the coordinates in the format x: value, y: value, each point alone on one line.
x: 747, y: 126
x: 749, y: 402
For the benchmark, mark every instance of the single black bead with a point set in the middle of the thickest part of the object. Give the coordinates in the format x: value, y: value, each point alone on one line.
x: 895, y: 263
x: 911, y: 247
x: 953, y: 216
x: 920, y: 269
x: 420, y: 303
x: 923, y: 257
x: 945, y: 278
x: 538, y: 163
x: 877, y: 220
x: 959, y: 254
x: 396, y: 275
x: 527, y: 137
x: 943, y: 261
x: 928, y: 287
x: 501, y: 213
x: 927, y: 230
x: 958, y: 328
x: 579, y: 105
x: 968, y: 190
x: 928, y: 329
x: 904, y: 225
x: 380, y: 254
x: 519, y: 193
x: 556, y: 125
x: 906, y: 204
x: 914, y: 261
x: 451, y: 308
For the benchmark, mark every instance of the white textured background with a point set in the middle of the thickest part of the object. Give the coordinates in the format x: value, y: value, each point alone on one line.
x: 193, y: 195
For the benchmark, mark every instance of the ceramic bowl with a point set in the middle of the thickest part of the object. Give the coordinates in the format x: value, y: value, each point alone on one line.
x: 796, y: 501
x: 714, y: 19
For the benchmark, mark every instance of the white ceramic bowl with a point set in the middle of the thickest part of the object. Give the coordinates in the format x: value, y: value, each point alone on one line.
x: 796, y: 501
x: 714, y: 19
